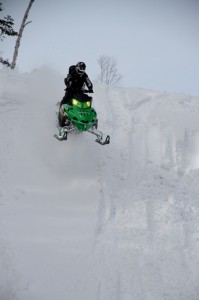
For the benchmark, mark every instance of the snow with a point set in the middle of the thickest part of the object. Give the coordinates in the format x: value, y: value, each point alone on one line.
x: 84, y: 221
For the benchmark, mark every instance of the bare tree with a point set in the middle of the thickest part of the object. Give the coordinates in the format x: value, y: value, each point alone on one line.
x: 109, y: 74
x: 23, y: 24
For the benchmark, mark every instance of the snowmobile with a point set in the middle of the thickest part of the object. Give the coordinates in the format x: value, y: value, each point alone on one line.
x: 79, y: 116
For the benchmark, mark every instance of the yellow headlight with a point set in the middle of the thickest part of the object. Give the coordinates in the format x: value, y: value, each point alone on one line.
x: 75, y: 102
x: 88, y: 103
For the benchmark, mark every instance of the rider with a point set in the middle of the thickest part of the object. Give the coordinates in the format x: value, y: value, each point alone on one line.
x: 75, y: 81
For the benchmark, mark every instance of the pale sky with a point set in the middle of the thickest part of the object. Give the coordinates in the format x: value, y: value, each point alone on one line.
x: 155, y: 42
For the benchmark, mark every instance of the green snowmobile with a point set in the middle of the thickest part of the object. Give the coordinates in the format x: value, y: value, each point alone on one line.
x: 79, y: 116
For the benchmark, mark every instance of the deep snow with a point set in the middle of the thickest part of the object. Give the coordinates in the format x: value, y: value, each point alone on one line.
x: 84, y: 221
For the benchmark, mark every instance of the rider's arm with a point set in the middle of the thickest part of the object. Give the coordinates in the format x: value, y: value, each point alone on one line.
x: 68, y: 81
x: 89, y: 84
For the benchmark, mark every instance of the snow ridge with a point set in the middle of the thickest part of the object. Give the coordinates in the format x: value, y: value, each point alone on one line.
x: 80, y: 220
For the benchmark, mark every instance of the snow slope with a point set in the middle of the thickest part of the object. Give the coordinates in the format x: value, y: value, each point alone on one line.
x: 84, y: 221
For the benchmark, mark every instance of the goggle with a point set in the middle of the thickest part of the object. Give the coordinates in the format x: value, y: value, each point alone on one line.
x: 79, y: 70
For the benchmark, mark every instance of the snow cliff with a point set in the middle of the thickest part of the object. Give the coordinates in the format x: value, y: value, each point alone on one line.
x: 84, y: 221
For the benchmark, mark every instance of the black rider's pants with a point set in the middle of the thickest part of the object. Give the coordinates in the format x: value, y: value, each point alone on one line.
x: 67, y: 98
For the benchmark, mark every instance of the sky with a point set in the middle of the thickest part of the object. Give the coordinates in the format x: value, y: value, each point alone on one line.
x: 155, y: 43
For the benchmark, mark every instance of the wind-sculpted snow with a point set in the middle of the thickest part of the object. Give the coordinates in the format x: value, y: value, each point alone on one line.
x: 84, y: 221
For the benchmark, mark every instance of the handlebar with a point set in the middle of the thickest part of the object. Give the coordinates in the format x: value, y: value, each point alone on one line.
x: 86, y: 91
x: 79, y: 90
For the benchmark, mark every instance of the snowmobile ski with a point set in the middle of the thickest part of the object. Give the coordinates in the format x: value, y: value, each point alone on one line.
x: 99, y: 136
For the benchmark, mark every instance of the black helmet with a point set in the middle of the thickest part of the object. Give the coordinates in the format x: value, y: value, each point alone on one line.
x: 80, y: 68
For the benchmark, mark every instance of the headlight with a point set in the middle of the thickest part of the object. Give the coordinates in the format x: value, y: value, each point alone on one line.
x: 76, y: 103
x: 79, y: 104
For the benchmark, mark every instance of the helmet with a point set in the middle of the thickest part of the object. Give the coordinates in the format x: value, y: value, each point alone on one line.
x: 80, y: 68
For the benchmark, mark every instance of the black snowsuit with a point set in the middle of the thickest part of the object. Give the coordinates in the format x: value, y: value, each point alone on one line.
x: 74, y: 83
